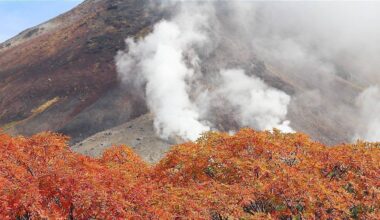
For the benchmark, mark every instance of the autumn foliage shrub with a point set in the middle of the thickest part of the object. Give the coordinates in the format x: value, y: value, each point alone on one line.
x: 249, y: 175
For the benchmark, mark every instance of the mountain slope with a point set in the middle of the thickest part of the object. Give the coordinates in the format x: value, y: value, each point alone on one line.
x: 61, y: 76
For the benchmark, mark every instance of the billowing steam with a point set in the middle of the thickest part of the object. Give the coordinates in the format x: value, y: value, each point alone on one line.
x: 160, y: 58
x: 229, y: 64
x: 169, y: 63
x: 369, y: 104
x: 254, y: 103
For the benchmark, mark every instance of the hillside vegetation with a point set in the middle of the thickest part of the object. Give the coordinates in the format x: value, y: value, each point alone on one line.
x: 250, y: 175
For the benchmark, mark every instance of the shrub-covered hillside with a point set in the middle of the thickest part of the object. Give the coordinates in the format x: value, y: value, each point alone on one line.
x: 250, y: 175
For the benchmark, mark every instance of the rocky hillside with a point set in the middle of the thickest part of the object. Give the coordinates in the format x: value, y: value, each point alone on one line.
x: 138, y: 133
x: 61, y: 76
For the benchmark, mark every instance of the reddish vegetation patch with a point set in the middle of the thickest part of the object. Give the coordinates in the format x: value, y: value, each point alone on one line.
x: 251, y: 175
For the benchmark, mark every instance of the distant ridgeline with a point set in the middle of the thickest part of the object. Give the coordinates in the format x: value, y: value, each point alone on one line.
x: 250, y: 175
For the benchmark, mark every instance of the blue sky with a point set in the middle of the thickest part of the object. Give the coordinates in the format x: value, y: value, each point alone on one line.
x: 17, y: 15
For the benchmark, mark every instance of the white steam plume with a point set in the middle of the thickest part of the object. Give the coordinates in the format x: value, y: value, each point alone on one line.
x: 330, y: 48
x: 168, y: 63
x: 160, y: 59
x: 369, y: 105
x: 258, y: 105
x: 324, y: 54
